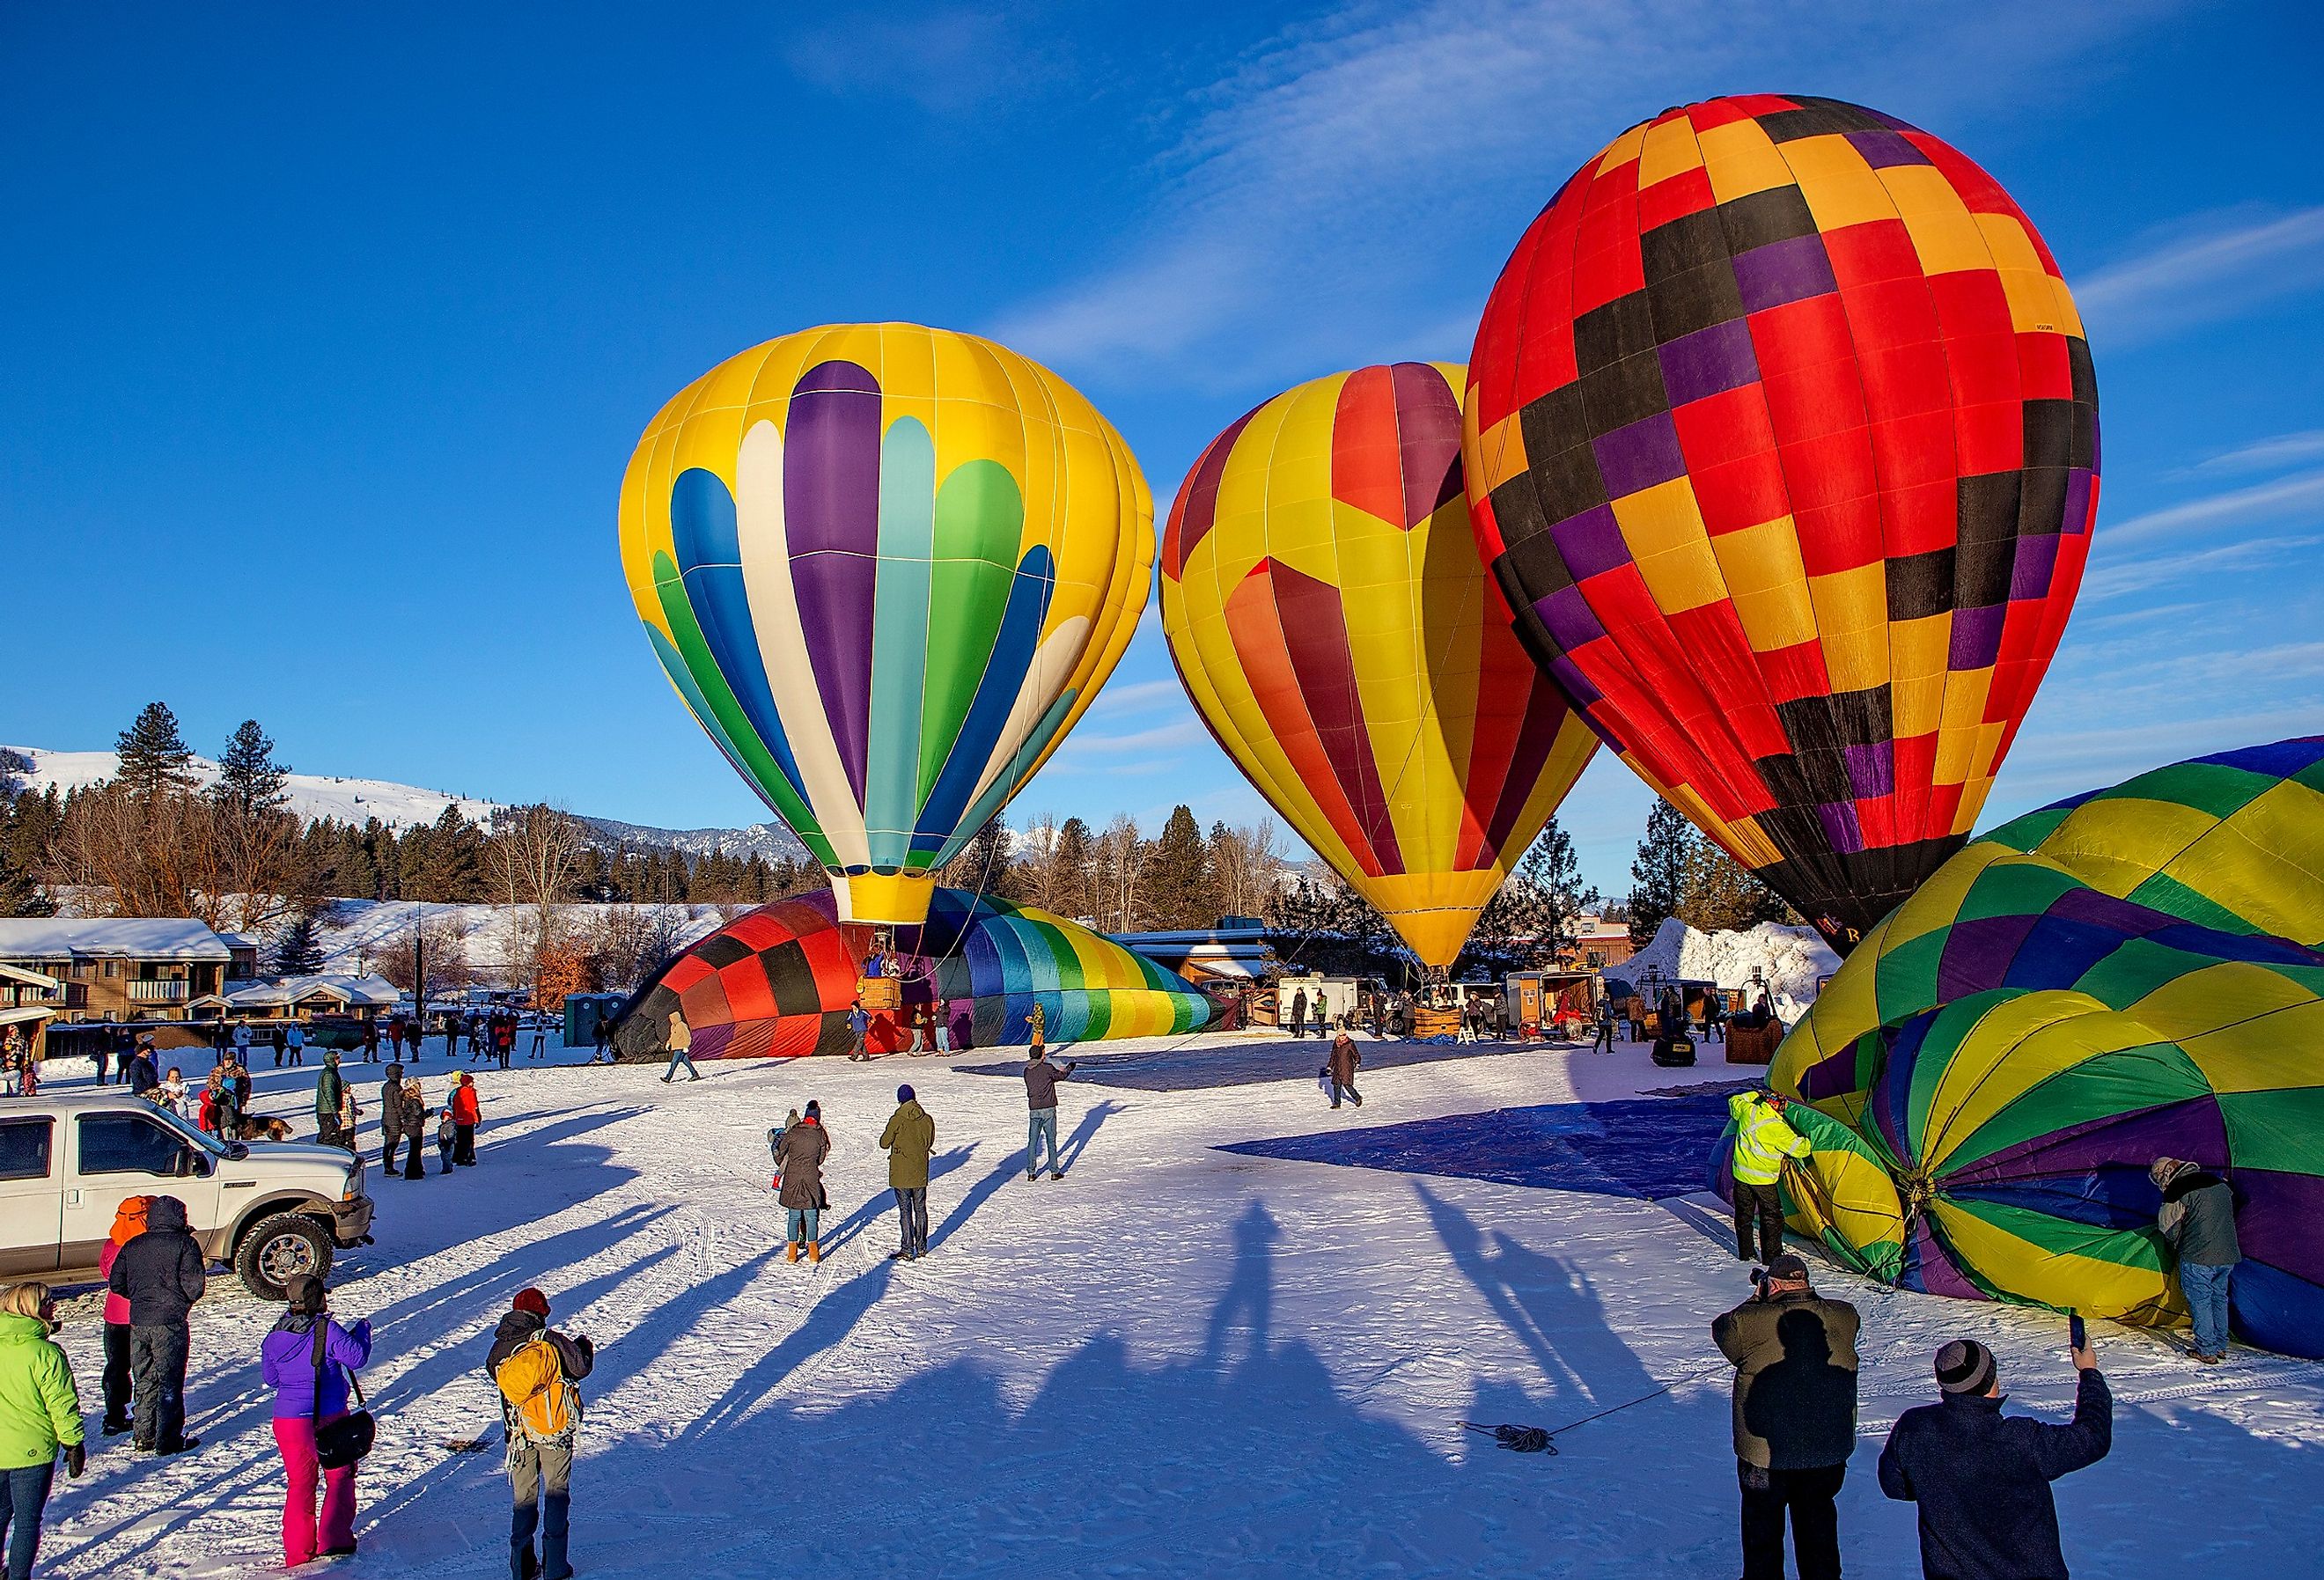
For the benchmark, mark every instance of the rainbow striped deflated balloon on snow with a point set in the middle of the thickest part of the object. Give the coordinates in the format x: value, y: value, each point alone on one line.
x: 887, y: 567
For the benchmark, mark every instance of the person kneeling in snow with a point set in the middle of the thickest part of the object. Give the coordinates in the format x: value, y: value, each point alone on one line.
x: 535, y: 1367
x: 1981, y: 1478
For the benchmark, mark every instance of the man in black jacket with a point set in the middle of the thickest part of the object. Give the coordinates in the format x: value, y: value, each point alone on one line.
x: 391, y: 1116
x: 1981, y: 1478
x: 541, y: 1474
x: 160, y: 1273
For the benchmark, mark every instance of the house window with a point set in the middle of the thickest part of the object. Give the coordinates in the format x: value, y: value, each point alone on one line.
x: 112, y: 967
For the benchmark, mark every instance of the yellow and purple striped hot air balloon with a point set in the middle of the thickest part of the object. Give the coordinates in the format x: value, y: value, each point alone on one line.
x: 887, y: 567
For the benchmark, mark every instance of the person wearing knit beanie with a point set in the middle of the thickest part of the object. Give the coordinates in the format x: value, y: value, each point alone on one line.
x: 909, y: 1139
x: 1981, y: 1479
x: 1794, y: 1418
x: 532, y: 1300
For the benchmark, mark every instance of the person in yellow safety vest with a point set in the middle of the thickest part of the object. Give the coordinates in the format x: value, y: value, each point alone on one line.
x: 1762, y: 1141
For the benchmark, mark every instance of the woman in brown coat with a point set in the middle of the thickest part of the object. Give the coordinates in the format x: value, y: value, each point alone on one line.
x: 799, y: 1162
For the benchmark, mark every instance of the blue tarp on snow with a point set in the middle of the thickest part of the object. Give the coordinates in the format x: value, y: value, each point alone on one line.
x: 1646, y: 1146
x: 1249, y: 1063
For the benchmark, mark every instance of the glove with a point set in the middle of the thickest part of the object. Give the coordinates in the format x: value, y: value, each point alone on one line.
x: 76, y: 1459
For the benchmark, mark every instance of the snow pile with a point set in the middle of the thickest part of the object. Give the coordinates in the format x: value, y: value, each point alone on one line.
x: 1789, y: 960
x: 311, y: 794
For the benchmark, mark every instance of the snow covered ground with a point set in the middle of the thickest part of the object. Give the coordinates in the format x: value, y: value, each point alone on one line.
x: 1177, y: 1361
x: 1791, y: 960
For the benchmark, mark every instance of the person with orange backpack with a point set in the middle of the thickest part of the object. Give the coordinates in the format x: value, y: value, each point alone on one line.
x: 535, y: 1368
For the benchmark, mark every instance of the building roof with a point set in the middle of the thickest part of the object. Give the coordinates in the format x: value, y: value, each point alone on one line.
x: 119, y: 938
x: 240, y: 940
x: 40, y: 979
x: 354, y: 992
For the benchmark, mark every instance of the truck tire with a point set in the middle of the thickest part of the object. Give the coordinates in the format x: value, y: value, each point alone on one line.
x: 277, y: 1250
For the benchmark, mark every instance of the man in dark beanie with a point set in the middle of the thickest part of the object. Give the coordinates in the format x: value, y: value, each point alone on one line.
x: 1981, y: 1478
x: 160, y: 1273
x: 1795, y: 1354
x: 908, y: 1139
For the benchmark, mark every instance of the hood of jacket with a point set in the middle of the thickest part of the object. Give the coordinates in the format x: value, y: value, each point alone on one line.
x: 20, y: 1330
x: 167, y: 1214
x: 520, y: 1325
x: 1739, y: 1107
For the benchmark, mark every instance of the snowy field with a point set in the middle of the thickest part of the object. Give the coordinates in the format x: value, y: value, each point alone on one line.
x: 1177, y: 1362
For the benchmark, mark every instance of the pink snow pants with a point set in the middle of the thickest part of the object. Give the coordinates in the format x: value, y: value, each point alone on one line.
x: 295, y: 1436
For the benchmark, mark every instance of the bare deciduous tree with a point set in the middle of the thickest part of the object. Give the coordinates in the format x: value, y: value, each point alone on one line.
x: 534, y: 853
x: 1120, y: 863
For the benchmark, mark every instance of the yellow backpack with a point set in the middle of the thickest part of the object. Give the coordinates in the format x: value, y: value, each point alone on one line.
x: 542, y: 1404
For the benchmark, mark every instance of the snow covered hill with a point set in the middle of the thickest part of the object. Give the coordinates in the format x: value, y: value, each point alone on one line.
x: 312, y: 795
x: 401, y: 806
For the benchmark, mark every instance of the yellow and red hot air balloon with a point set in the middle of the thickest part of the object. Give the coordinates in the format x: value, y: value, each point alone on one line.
x: 1328, y: 613
x: 1782, y: 435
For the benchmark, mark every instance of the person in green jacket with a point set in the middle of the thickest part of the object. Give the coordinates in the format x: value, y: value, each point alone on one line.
x: 329, y: 1088
x: 910, y: 1137
x: 40, y: 1414
x: 1762, y: 1142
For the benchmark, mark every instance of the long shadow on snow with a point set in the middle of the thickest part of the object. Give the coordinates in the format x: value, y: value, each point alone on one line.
x: 881, y: 1203
x: 1086, y: 1131
x: 1244, y: 1459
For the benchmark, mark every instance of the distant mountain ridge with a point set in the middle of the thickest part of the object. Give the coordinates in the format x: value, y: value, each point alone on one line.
x: 314, y: 796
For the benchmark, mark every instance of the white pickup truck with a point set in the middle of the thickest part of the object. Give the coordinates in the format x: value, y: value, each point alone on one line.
x: 270, y: 1210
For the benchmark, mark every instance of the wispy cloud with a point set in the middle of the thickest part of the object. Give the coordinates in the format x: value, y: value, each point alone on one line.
x: 2138, y: 576
x: 1138, y: 696
x: 2266, y: 454
x: 1185, y: 731
x: 2213, y: 266
x: 2297, y: 494
x: 946, y: 61
x: 1337, y: 195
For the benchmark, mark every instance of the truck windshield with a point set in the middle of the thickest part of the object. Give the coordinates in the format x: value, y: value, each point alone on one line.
x: 207, y: 1144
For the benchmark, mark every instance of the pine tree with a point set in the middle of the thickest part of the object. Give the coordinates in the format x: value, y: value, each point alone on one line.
x: 23, y: 845
x: 1072, y: 862
x: 1174, y: 890
x: 1658, y: 876
x: 297, y: 951
x: 153, y: 753
x: 1532, y: 917
x: 251, y: 784
x: 982, y: 867
x: 1721, y: 895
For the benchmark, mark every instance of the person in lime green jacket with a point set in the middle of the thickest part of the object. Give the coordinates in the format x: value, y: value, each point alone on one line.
x: 1762, y: 1141
x: 40, y: 1413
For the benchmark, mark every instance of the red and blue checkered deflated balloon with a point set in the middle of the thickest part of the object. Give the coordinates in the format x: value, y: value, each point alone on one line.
x: 2129, y: 974
x: 780, y: 981
x: 1781, y: 435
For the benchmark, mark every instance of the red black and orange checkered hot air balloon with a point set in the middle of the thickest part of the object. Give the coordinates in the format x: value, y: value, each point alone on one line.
x: 1782, y: 438
x: 1329, y: 615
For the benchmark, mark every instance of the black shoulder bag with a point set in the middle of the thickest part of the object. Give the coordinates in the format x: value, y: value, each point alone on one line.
x: 344, y: 1441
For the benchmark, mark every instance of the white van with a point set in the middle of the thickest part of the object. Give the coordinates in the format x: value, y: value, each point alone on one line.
x: 270, y: 1210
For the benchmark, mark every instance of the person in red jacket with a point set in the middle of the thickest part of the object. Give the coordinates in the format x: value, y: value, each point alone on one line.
x: 128, y: 1223
x: 464, y: 1117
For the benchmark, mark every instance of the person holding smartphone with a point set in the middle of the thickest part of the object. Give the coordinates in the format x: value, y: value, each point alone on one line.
x: 1982, y: 1479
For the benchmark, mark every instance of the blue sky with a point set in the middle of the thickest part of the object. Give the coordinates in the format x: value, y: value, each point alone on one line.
x: 328, y: 330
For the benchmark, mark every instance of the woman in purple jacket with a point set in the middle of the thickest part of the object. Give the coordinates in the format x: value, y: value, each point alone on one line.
x: 302, y: 1397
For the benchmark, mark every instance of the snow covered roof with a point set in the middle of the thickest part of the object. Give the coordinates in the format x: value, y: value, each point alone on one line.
x: 354, y: 992
x: 239, y: 940
x: 123, y: 938
x: 40, y: 979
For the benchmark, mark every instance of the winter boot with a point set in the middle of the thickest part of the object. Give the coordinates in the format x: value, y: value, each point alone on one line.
x: 790, y: 1251
x: 815, y: 1250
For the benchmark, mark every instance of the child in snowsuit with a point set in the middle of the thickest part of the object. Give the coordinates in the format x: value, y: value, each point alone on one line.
x: 447, y: 1136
